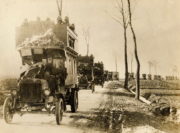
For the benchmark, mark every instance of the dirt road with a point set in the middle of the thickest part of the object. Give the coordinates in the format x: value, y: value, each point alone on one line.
x: 31, y: 123
x: 92, y: 116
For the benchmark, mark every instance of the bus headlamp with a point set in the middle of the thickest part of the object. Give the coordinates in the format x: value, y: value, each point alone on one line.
x: 46, y: 92
x: 14, y: 92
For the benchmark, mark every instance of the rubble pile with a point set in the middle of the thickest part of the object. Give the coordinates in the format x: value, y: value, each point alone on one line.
x: 46, y: 39
x: 30, y: 28
x: 159, y: 105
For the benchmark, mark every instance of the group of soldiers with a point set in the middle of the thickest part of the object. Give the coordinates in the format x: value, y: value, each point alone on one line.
x: 54, y: 71
x: 52, y: 68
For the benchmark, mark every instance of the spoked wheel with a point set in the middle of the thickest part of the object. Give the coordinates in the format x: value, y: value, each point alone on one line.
x: 7, y: 110
x: 59, y: 111
x: 74, y: 101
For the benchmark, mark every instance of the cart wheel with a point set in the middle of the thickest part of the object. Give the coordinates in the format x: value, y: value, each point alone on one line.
x: 74, y: 101
x: 59, y: 111
x: 7, y: 110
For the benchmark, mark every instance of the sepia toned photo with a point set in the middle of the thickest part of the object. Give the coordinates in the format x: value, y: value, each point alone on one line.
x: 89, y: 66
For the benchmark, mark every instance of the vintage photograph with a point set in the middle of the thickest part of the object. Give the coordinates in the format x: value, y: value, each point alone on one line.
x: 90, y: 66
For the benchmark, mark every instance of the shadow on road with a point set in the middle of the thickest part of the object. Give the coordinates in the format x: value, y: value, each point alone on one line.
x: 159, y: 94
x: 134, y: 119
x: 113, y: 93
x: 96, y: 119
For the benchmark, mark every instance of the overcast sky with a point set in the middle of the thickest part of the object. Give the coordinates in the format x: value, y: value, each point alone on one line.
x: 156, y: 22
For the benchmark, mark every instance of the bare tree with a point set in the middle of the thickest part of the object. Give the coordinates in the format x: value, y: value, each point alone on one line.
x: 135, y: 52
x: 123, y: 21
x: 86, y: 34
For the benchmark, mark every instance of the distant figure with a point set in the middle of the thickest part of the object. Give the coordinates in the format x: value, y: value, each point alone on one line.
x: 72, y: 27
x: 59, y: 20
x: 66, y: 20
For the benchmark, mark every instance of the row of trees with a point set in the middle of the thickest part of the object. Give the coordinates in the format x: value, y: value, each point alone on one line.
x: 125, y: 20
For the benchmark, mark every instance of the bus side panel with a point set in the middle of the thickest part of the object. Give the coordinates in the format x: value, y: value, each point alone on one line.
x: 71, y: 66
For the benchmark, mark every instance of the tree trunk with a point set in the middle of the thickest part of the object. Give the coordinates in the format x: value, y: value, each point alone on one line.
x: 136, y: 53
x: 125, y: 46
x: 125, y: 60
x: 124, y: 25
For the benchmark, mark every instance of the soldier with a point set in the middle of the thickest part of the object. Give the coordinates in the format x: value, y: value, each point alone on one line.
x: 66, y: 20
x: 48, y: 75
x: 59, y: 20
x: 72, y: 27
x: 59, y: 70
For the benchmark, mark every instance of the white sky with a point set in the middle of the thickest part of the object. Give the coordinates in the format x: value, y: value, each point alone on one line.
x: 156, y: 22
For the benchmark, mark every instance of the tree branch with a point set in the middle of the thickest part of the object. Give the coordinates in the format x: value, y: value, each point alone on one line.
x: 117, y: 20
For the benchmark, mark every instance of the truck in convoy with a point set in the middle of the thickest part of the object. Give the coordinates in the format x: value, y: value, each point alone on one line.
x: 110, y: 75
x: 90, y: 73
x: 49, y: 82
x: 99, y: 78
x: 85, y: 72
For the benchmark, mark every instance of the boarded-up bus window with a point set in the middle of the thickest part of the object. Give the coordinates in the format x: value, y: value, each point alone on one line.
x: 71, y: 41
x: 38, y: 51
x: 26, y: 52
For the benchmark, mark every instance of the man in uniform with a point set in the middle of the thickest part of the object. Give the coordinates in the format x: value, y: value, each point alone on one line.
x: 59, y: 70
x: 48, y: 75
